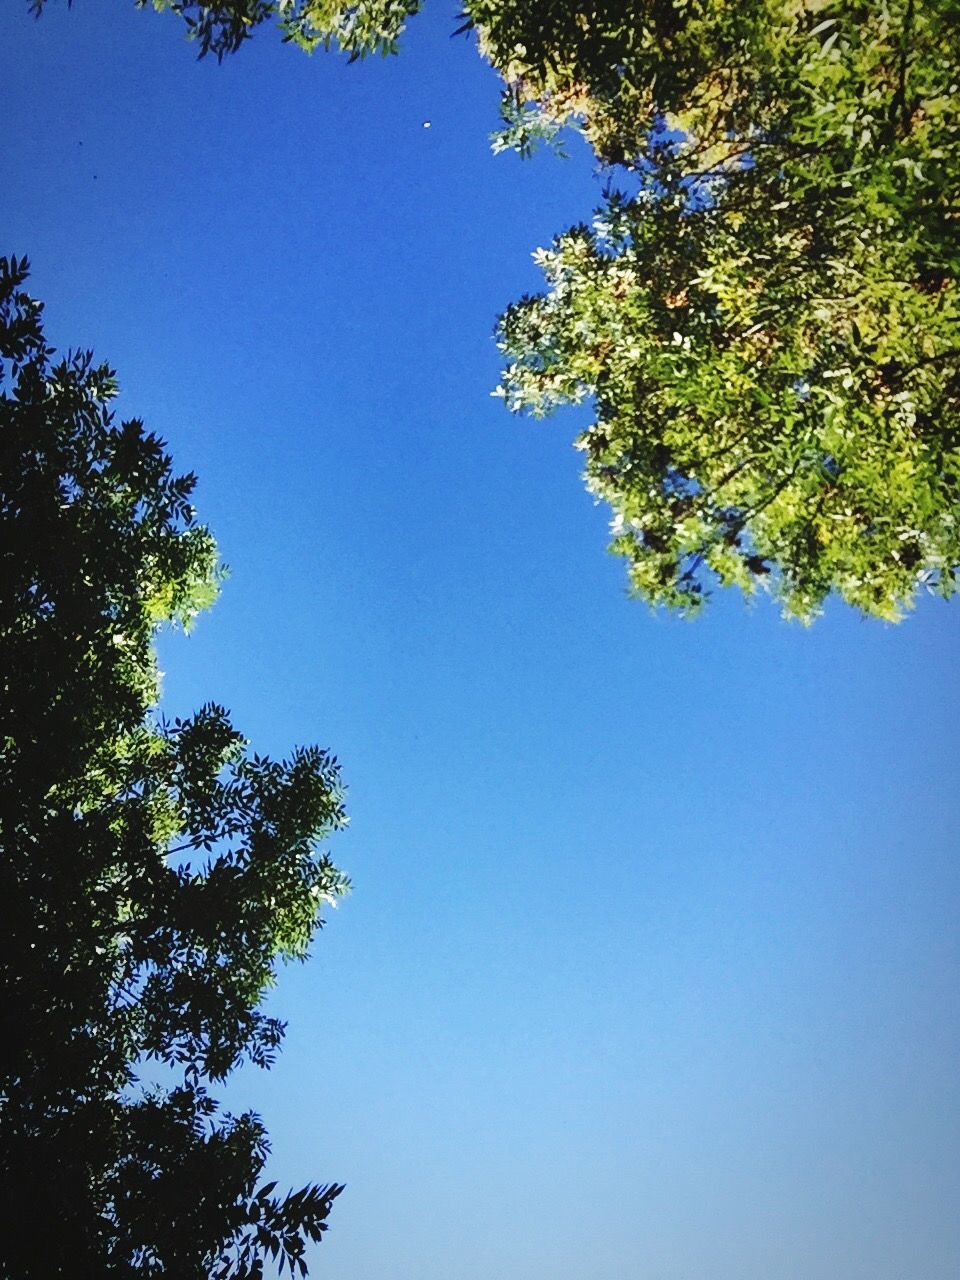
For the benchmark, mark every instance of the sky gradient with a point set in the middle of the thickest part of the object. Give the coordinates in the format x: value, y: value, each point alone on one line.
x: 651, y: 967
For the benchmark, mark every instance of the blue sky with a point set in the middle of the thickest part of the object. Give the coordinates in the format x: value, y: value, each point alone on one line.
x: 650, y: 970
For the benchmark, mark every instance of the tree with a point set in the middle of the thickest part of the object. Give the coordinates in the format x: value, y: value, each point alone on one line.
x: 769, y: 324
x: 152, y: 873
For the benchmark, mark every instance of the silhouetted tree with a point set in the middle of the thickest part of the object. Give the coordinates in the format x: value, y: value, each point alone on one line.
x: 151, y: 872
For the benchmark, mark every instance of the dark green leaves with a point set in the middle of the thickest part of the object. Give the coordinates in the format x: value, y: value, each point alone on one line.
x: 152, y: 874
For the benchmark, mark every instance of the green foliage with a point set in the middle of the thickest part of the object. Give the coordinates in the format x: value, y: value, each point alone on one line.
x: 769, y: 325
x: 151, y: 873
x: 221, y: 27
x: 610, y: 66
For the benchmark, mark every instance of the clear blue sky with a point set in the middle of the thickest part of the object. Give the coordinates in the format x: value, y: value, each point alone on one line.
x: 651, y: 967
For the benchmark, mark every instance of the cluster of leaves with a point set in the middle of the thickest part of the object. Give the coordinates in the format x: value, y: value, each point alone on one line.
x: 151, y: 873
x: 220, y: 27
x: 608, y: 66
x: 768, y: 324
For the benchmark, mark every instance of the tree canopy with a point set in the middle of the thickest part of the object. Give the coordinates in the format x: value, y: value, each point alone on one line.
x: 153, y: 872
x: 768, y: 322
x: 765, y: 315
